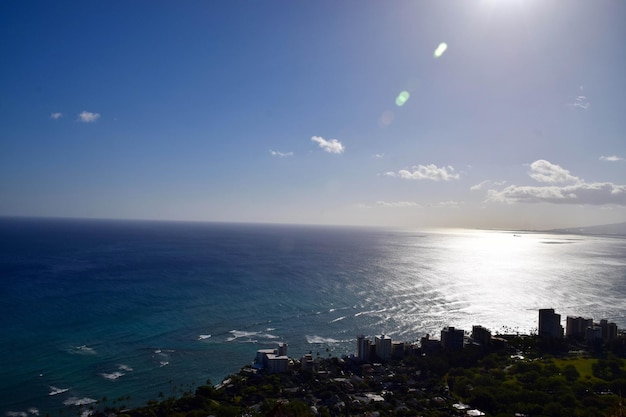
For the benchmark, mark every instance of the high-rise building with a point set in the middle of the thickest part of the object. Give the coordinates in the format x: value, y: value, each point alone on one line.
x: 481, y: 335
x: 397, y: 350
x: 576, y: 327
x: 383, y: 347
x: 550, y: 324
x: 451, y: 338
x: 609, y: 330
x: 363, y: 348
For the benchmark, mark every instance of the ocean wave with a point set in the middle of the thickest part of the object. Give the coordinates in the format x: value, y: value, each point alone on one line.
x: 240, y: 334
x: 82, y: 350
x: 204, y: 336
x: 163, y: 363
x: 124, y: 368
x: 113, y: 375
x: 79, y: 401
x: 338, y: 319
x: 321, y: 340
x: 360, y: 313
x: 56, y: 391
x: 32, y: 410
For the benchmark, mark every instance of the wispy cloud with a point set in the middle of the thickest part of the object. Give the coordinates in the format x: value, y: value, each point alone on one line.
x: 612, y: 158
x: 412, y: 204
x: 379, y: 155
x: 485, y: 184
x: 398, y: 204
x: 56, y: 116
x: 88, y: 117
x: 330, y: 146
x: 281, y: 154
x: 449, y: 204
x: 581, y: 102
x: 565, y: 189
x: 426, y: 172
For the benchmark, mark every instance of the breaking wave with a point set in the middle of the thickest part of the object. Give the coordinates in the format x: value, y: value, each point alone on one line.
x: 57, y: 391
x: 79, y: 401
x: 321, y: 340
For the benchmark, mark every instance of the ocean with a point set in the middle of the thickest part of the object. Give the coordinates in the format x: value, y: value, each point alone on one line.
x: 125, y: 311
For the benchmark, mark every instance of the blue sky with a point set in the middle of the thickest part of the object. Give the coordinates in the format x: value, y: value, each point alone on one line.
x: 325, y: 112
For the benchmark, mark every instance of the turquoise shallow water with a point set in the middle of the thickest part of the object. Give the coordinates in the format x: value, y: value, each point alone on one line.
x: 115, y: 308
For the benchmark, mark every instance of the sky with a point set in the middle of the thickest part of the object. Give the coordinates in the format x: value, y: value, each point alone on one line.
x: 479, y: 113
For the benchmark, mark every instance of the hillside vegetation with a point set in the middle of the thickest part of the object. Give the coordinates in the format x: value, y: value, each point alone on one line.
x: 515, y: 378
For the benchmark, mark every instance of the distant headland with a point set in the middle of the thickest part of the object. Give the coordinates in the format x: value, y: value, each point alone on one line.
x: 615, y: 229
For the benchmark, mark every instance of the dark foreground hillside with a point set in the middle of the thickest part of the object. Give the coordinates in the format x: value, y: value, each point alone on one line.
x: 514, y: 378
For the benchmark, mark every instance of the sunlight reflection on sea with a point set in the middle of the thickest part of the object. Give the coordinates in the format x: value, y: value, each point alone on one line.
x: 99, y: 308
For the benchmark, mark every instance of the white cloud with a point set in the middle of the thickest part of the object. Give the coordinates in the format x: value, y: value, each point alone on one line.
x: 544, y: 171
x: 426, y: 172
x: 56, y: 116
x: 281, y: 154
x: 379, y: 155
x: 330, y: 146
x: 581, y: 102
x: 612, y: 158
x: 576, y: 192
x: 398, y: 204
x: 583, y: 193
x: 88, y: 117
x: 487, y: 183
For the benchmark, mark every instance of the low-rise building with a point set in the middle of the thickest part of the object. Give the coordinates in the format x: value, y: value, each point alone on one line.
x: 593, y: 336
x: 273, y: 360
x: 308, y: 363
x: 428, y: 345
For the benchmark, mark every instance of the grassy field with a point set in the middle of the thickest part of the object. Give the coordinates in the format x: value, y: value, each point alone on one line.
x: 582, y: 364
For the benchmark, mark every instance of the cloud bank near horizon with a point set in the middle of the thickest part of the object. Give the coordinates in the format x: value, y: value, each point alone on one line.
x: 563, y: 188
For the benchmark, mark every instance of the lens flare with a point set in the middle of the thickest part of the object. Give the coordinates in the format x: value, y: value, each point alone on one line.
x: 440, y: 49
x: 402, y: 98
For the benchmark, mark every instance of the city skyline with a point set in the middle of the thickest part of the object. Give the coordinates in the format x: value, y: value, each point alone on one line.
x: 486, y: 113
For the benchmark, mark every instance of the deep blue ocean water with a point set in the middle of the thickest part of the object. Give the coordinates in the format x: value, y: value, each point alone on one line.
x: 94, y: 309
